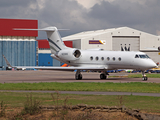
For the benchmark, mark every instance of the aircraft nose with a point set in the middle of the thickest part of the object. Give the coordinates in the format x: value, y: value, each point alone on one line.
x: 152, y: 65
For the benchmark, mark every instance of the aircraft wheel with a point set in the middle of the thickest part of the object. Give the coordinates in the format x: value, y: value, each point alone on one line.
x: 102, y: 76
x: 79, y: 77
x: 145, y: 78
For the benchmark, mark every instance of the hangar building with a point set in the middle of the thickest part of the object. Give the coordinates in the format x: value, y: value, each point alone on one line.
x: 118, y: 39
x: 18, y: 46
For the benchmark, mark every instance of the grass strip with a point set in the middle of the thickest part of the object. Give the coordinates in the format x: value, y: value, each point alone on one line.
x: 79, y: 86
x: 140, y: 75
x: 146, y: 103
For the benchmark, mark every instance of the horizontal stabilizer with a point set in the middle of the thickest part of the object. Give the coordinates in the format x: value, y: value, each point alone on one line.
x: 43, y: 29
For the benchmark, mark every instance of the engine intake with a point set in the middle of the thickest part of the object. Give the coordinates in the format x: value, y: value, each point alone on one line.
x: 69, y: 54
x: 77, y: 53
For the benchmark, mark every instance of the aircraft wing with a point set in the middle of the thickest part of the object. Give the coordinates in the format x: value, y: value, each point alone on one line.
x: 54, y: 68
x: 60, y: 68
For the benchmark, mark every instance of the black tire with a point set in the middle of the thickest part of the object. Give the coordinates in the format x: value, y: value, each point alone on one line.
x: 78, y: 77
x: 102, y: 76
x: 145, y: 78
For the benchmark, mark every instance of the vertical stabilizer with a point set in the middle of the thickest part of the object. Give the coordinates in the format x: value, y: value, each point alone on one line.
x: 55, y: 41
x: 54, y: 38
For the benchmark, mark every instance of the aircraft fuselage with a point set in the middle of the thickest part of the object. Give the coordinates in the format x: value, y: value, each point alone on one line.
x: 112, y: 60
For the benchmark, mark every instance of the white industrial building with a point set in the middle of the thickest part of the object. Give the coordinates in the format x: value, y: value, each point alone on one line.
x: 118, y: 39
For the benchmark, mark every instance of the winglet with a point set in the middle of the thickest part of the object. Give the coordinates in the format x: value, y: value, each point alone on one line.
x: 8, y: 64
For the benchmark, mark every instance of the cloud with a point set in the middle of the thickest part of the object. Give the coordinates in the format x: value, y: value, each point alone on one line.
x: 83, y: 15
x: 88, y: 3
x: 158, y: 32
x: 11, y: 3
x: 144, y: 16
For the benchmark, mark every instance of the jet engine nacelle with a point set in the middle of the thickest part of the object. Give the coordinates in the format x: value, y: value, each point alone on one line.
x: 69, y: 54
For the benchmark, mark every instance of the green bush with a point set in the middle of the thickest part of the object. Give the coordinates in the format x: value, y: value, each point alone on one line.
x: 31, y: 106
x: 3, y: 107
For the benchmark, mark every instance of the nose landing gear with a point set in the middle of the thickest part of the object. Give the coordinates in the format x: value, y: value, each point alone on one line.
x: 144, y: 78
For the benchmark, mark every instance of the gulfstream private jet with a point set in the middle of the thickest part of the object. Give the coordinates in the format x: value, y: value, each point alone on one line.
x: 93, y: 60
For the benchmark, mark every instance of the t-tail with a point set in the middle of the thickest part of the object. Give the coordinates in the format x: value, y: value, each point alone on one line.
x: 55, y: 41
x: 58, y: 49
x: 54, y: 38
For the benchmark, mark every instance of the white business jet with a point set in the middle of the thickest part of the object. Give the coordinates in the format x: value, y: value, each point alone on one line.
x: 94, y: 60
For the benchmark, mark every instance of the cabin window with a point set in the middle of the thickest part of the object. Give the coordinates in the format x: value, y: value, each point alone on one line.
x: 119, y: 58
x: 91, y: 58
x: 114, y: 58
x: 97, y: 58
x: 108, y: 58
x: 102, y: 58
x: 136, y: 56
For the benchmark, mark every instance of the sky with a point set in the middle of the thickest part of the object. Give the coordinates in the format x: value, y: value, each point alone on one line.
x: 85, y: 15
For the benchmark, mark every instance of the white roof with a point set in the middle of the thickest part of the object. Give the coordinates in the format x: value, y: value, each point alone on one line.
x: 87, y: 34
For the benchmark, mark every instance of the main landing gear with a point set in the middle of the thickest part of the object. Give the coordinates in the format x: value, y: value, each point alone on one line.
x: 104, y: 75
x: 78, y: 75
x: 144, y: 78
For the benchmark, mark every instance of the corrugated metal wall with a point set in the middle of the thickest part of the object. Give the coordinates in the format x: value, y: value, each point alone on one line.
x: 45, y: 59
x: 56, y: 62
x: 18, y: 53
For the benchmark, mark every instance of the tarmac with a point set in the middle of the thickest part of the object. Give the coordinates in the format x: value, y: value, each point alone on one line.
x: 31, y: 76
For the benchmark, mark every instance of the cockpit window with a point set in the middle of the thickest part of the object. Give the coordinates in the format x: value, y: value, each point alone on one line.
x: 136, y: 56
x: 147, y: 56
x: 144, y: 56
